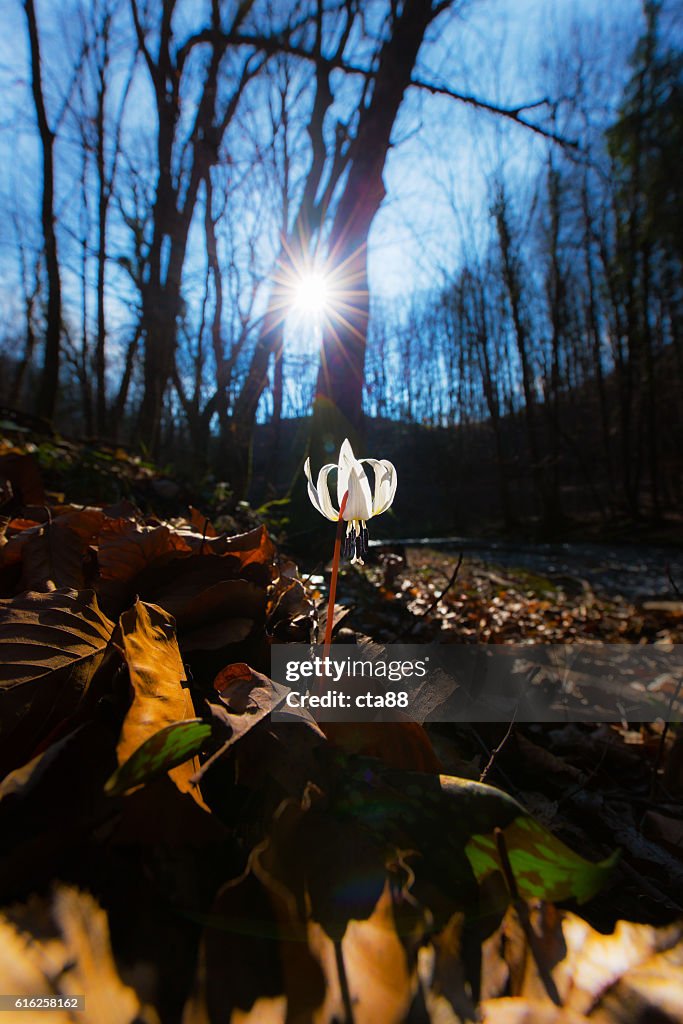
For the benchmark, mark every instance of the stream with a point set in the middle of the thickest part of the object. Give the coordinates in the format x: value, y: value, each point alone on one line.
x: 637, y: 572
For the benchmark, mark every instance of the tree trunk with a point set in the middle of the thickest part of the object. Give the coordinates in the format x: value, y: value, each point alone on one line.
x: 512, y: 280
x: 49, y: 382
x: 102, y: 204
x: 339, y: 399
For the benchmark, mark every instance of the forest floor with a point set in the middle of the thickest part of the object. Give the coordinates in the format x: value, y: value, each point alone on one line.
x: 174, y: 852
x: 579, y: 779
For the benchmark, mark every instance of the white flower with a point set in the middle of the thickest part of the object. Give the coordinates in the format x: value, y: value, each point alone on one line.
x: 361, y: 504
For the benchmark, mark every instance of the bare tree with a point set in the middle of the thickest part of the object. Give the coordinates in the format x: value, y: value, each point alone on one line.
x: 183, y: 164
x: 49, y: 382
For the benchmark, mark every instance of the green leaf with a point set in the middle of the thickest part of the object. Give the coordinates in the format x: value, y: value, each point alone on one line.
x: 542, y: 865
x: 432, y: 812
x: 167, y: 748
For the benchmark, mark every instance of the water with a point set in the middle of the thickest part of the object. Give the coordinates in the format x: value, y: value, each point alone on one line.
x: 637, y: 572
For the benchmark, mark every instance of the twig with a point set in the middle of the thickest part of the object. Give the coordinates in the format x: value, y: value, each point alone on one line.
x: 494, y: 753
x: 674, y: 698
x: 648, y: 888
x: 662, y: 739
x: 515, y: 114
x: 522, y: 909
x: 672, y: 581
x: 343, y: 981
x: 451, y: 581
x: 587, y: 778
x: 509, y: 784
x: 313, y: 572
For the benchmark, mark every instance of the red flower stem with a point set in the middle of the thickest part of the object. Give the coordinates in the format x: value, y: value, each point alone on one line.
x: 333, y: 581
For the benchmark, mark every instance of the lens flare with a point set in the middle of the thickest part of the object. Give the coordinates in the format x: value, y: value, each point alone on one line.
x: 312, y: 293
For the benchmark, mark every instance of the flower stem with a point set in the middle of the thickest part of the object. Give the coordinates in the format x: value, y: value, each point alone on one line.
x: 333, y: 581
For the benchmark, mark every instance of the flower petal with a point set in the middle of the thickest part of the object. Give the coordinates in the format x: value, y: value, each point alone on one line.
x: 312, y: 493
x: 359, y: 504
x: 327, y: 508
x: 385, y: 484
x: 346, y: 460
x: 348, y: 463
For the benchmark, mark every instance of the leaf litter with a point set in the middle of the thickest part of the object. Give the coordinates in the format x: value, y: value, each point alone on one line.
x: 170, y: 851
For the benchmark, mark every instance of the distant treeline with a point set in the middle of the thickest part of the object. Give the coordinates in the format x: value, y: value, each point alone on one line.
x: 149, y: 307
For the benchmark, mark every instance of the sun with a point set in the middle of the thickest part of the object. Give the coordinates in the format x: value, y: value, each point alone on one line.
x: 312, y: 293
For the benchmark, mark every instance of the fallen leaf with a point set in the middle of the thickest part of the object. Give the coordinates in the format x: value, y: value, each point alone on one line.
x: 23, y: 472
x: 632, y: 974
x: 200, y: 522
x: 52, y: 558
x: 50, y: 648
x: 246, y: 698
x: 125, y: 549
x: 156, y: 676
x: 64, y: 950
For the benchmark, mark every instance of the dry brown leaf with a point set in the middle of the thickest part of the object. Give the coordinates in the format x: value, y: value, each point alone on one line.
x: 380, y: 977
x: 254, y: 546
x: 156, y: 675
x: 309, y: 970
x: 201, y: 523
x: 588, y: 974
x: 193, y: 608
x: 52, y: 558
x: 64, y: 950
x: 246, y: 698
x: 526, y: 1011
x: 54, y: 550
x: 397, y: 744
x: 126, y: 549
x: 50, y: 648
x: 85, y: 520
x: 23, y: 472
x: 290, y: 613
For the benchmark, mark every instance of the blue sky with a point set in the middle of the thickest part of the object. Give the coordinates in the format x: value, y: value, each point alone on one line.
x: 438, y: 179
x: 438, y: 172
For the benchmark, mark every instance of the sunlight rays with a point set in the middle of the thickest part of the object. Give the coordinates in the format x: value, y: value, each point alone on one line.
x: 312, y: 294
x: 329, y: 297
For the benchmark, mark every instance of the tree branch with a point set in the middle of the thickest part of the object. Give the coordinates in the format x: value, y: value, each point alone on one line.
x: 512, y: 113
x: 140, y: 33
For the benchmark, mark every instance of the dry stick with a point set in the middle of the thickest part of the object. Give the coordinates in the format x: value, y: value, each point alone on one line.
x: 343, y: 981
x: 307, y: 576
x: 672, y: 581
x: 430, y: 607
x: 662, y: 739
x: 522, y: 909
x: 665, y: 730
x: 451, y: 581
x: 497, y: 750
x: 509, y: 784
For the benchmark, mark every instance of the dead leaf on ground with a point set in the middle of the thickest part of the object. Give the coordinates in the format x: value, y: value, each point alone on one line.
x: 50, y: 648
x: 63, y: 949
x: 245, y: 698
x: 316, y: 909
x: 125, y: 549
x: 156, y: 675
x: 23, y: 472
x: 53, y: 558
x: 201, y: 523
x: 633, y: 974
